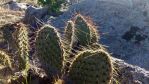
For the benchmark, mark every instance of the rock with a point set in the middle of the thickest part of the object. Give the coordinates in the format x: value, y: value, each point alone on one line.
x: 72, y: 1
x: 13, y: 5
x: 130, y: 74
x: 123, y: 26
x: 127, y: 74
x: 35, y: 16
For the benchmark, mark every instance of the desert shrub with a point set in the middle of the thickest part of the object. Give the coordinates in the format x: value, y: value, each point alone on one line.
x: 54, y: 5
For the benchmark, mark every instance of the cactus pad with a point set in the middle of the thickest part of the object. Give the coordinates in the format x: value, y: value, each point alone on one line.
x: 5, y: 66
x: 84, y: 33
x: 69, y: 30
x: 68, y: 35
x: 5, y: 59
x: 21, y: 36
x: 49, y: 50
x: 91, y: 67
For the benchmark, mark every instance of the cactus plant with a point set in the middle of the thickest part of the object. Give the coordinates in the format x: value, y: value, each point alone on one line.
x: 79, y: 34
x: 5, y: 59
x: 91, y: 64
x: 5, y: 66
x: 49, y: 50
x: 21, y: 36
x: 68, y: 33
x: 68, y: 37
x: 91, y: 67
x: 84, y: 33
x: 2, y: 40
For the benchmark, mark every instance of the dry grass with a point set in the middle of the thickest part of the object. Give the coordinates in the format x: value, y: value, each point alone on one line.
x: 26, y: 1
x: 9, y: 16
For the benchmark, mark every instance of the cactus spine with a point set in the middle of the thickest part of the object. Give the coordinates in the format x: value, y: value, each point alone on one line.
x: 94, y: 34
x: 49, y: 50
x: 91, y: 67
x: 95, y: 46
x: 22, y: 41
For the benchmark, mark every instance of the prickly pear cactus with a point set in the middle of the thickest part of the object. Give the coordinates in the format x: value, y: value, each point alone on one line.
x: 84, y: 33
x: 68, y: 33
x: 21, y: 36
x: 5, y: 67
x: 2, y: 40
x: 49, y: 50
x: 5, y: 59
x: 91, y: 67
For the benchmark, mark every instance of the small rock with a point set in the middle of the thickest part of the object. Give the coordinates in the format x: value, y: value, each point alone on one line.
x: 13, y: 5
x: 130, y: 74
x: 34, y: 16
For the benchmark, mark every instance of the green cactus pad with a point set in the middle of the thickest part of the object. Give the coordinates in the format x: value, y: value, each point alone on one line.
x: 2, y: 39
x: 91, y: 67
x: 5, y: 59
x: 5, y: 65
x: 49, y: 50
x: 68, y: 35
x: 84, y: 33
x: 22, y: 40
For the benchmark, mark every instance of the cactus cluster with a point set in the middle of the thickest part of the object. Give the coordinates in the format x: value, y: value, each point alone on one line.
x: 75, y: 57
x: 84, y: 33
x: 79, y: 34
x: 90, y: 64
x: 18, y: 41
